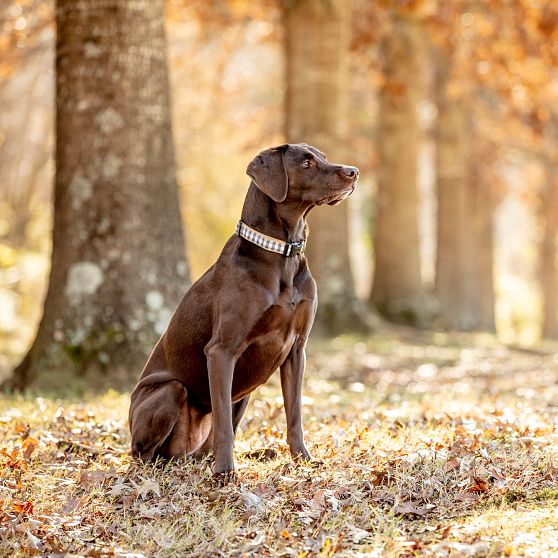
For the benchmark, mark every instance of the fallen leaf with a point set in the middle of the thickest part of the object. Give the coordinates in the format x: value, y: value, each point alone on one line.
x: 250, y: 500
x: 147, y: 486
x: 263, y: 454
x: 357, y: 535
x: 28, y: 447
x: 94, y: 477
x: 22, y: 507
x: 409, y: 508
x: 71, y: 505
x: 149, y: 512
x: 34, y: 542
x: 379, y: 477
x: 118, y: 488
x: 467, y: 497
x: 325, y: 498
x: 251, y: 545
x: 478, y: 485
x: 451, y: 464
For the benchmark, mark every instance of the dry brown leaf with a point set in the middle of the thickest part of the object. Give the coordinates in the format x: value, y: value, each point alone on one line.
x: 467, y: 497
x: 147, y: 486
x: 25, y: 507
x: 28, y: 447
x: 410, y: 508
x: 478, y: 485
x: 451, y: 464
x: 94, y: 477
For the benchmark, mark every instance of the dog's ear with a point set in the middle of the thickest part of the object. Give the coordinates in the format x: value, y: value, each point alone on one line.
x: 268, y: 172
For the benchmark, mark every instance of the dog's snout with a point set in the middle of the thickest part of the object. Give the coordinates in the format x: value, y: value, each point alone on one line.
x: 350, y: 172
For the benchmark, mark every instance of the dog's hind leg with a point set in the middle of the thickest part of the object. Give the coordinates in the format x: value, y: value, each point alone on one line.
x: 158, y: 409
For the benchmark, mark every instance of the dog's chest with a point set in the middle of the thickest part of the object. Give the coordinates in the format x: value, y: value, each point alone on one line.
x: 288, y: 310
x: 283, y: 318
x: 272, y: 337
x: 269, y: 344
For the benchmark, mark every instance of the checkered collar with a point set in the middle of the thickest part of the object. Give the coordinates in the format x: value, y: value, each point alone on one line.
x: 269, y: 243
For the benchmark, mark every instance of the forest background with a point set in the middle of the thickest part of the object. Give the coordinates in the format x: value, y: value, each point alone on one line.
x: 431, y: 395
x: 447, y: 108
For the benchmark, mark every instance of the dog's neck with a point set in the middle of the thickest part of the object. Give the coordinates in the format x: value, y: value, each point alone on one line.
x: 284, y: 221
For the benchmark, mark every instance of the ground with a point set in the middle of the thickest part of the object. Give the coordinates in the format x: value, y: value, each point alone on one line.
x: 433, y: 447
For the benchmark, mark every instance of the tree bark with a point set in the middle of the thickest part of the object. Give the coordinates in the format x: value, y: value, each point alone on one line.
x: 452, y: 177
x: 118, y: 258
x: 482, y: 257
x: 317, y: 35
x: 464, y: 274
x: 397, y: 290
x: 548, y: 252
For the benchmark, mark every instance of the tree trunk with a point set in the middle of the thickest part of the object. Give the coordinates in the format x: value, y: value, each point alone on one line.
x: 452, y: 257
x: 118, y: 258
x: 548, y: 253
x: 482, y: 257
x: 464, y: 274
x: 317, y: 37
x: 397, y: 290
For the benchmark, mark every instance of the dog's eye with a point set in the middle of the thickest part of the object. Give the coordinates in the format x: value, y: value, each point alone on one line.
x: 306, y: 163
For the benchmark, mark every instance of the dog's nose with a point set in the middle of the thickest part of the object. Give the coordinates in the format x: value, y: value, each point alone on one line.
x: 350, y: 172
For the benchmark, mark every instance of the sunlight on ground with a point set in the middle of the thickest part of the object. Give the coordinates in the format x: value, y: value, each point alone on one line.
x: 421, y: 449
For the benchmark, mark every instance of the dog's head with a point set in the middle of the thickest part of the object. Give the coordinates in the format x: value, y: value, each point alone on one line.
x: 301, y: 173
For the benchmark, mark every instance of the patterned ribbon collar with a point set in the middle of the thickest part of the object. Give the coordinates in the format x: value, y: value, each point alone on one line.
x: 269, y: 243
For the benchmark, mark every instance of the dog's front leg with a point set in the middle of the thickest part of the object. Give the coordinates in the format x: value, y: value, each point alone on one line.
x: 292, y: 372
x: 220, y: 367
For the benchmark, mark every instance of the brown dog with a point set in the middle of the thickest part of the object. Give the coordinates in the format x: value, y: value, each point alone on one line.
x: 250, y: 314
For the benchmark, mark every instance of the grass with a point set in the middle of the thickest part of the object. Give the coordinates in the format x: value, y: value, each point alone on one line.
x: 438, y: 447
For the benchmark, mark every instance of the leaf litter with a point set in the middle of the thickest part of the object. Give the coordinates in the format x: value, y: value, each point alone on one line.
x: 420, y: 449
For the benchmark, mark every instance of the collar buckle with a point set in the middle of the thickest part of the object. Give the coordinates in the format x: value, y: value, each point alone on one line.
x: 294, y: 248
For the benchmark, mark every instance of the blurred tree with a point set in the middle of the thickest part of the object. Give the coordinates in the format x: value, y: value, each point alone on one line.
x: 214, y: 50
x: 118, y: 260
x: 548, y: 272
x: 464, y: 283
x: 397, y: 290
x: 452, y: 178
x: 26, y: 119
x: 481, y: 214
x: 317, y: 37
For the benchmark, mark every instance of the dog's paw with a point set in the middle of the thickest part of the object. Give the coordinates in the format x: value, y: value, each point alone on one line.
x: 301, y: 456
x: 224, y: 477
